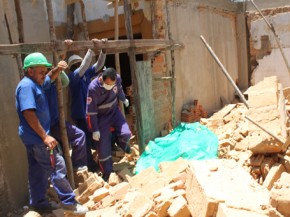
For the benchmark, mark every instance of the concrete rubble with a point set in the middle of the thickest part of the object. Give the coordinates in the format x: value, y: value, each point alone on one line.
x: 251, y: 177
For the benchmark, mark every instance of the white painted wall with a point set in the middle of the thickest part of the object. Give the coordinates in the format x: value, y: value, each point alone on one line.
x: 198, y: 76
x: 95, y: 9
x: 272, y: 64
x: 13, y: 160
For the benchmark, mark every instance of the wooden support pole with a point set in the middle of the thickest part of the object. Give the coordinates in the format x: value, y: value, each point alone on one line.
x: 85, y: 28
x: 63, y: 132
x: 70, y: 24
x: 13, y: 32
x: 112, y: 46
x: 20, y: 34
x: 19, y: 20
x: 135, y: 80
x: 117, y: 59
x: 116, y: 15
x: 172, y: 74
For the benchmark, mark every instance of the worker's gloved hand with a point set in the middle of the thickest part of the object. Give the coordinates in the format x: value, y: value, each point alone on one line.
x: 96, y: 135
x: 126, y: 103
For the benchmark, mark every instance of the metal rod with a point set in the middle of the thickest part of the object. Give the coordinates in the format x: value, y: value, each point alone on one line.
x: 262, y: 128
x: 271, y: 27
x: 225, y: 71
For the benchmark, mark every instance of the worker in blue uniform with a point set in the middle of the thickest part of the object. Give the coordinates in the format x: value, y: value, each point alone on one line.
x: 80, y: 75
x: 43, y: 159
x: 103, y: 114
x: 76, y: 137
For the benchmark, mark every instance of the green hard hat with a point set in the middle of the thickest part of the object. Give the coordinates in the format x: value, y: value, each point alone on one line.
x: 35, y: 59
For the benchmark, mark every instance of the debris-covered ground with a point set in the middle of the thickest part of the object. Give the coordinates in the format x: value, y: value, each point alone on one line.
x: 251, y: 177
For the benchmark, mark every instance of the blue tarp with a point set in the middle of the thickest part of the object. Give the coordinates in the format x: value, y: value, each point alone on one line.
x: 191, y: 141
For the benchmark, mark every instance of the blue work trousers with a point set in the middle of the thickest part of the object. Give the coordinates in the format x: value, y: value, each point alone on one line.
x: 77, y: 140
x: 112, y: 119
x: 90, y: 143
x: 40, y: 169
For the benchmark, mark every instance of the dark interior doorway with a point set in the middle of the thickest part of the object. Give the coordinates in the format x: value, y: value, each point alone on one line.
x: 125, y: 67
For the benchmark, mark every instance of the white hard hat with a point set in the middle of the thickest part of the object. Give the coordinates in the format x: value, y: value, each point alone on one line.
x: 73, y: 60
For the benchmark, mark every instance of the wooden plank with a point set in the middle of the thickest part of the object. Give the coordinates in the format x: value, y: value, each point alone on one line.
x: 144, y: 74
x: 112, y: 46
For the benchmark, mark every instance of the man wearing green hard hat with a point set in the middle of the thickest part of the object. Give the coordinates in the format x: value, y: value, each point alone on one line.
x: 43, y: 160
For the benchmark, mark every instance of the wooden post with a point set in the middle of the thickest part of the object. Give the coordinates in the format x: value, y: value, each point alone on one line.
x: 70, y: 24
x: 85, y: 28
x: 12, y: 32
x: 135, y: 80
x: 19, y: 20
x: 117, y: 59
x: 172, y: 74
x: 116, y: 15
x: 63, y: 132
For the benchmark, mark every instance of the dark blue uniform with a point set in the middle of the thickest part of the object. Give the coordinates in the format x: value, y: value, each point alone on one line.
x: 103, y: 114
x: 30, y: 95
x: 76, y: 137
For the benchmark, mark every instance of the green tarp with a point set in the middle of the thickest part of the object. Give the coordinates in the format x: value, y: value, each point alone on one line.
x: 191, y: 141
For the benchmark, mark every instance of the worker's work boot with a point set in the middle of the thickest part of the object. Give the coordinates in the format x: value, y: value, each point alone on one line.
x: 44, y: 209
x: 77, y: 208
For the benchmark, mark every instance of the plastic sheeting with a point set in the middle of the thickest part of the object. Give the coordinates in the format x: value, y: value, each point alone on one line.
x: 191, y: 141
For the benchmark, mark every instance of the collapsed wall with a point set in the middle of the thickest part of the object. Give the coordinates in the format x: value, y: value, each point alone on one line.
x: 264, y: 157
x: 265, y: 56
x: 251, y: 179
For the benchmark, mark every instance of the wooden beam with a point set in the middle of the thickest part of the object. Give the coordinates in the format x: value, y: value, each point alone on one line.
x: 112, y: 46
x: 63, y: 132
x: 85, y: 26
x: 70, y: 25
x: 117, y: 58
x: 19, y: 20
x: 13, y: 32
x: 134, y: 76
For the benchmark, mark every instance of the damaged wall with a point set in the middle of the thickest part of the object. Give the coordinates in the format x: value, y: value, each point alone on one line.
x: 13, y: 159
x: 197, y: 75
x: 13, y: 163
x: 266, y: 58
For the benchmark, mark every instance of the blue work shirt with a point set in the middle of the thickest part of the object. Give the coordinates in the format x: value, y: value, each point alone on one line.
x: 30, y: 95
x: 78, y: 89
x: 51, y: 94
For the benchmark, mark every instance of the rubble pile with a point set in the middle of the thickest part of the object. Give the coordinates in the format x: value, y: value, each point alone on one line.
x: 264, y: 157
x: 148, y: 193
x: 251, y: 177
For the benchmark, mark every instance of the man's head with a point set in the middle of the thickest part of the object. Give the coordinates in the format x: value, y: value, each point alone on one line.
x: 109, y: 77
x: 74, y: 62
x: 35, y: 66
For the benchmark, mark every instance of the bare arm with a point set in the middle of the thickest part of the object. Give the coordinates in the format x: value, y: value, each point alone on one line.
x: 34, y: 123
